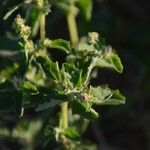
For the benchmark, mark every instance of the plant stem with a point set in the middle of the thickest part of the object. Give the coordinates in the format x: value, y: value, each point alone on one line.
x: 74, y: 40
x: 64, y: 112
x: 72, y: 28
x: 42, y: 26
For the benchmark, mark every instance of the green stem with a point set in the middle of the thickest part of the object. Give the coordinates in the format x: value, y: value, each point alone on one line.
x: 74, y: 39
x: 42, y: 26
x: 72, y: 28
x: 64, y: 112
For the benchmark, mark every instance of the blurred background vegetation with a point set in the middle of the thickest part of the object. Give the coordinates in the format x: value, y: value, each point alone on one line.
x: 125, y: 24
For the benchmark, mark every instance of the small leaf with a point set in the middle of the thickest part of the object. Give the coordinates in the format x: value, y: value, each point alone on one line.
x: 100, y: 92
x: 76, y: 75
x: 116, y: 99
x: 84, y: 109
x: 105, y: 96
x: 85, y: 7
x: 50, y: 68
x: 111, y: 60
x: 29, y: 87
x: 71, y: 133
x: 61, y: 45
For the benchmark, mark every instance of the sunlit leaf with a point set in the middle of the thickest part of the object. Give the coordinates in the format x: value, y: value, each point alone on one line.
x: 60, y: 44
x: 111, y: 60
x: 29, y: 87
x: 71, y: 133
x: 102, y: 95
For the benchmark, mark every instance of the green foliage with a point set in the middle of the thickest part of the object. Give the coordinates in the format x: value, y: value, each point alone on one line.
x: 40, y: 83
x: 71, y: 133
x: 60, y: 44
x: 103, y: 95
x: 50, y: 68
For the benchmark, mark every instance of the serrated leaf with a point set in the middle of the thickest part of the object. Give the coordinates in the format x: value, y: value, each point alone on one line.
x: 29, y: 87
x: 100, y: 92
x: 85, y: 7
x: 111, y: 60
x: 105, y: 96
x: 60, y: 44
x: 116, y: 98
x: 50, y: 68
x: 71, y: 133
x: 84, y: 109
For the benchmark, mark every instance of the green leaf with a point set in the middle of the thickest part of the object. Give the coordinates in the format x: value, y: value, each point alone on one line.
x: 50, y: 68
x: 116, y: 98
x: 29, y: 87
x: 84, y: 46
x: 110, y: 60
x: 46, y: 105
x: 51, y: 99
x: 85, y: 7
x: 84, y: 109
x: 71, y: 133
x: 61, y: 45
x: 100, y: 92
x: 76, y: 75
x: 105, y: 96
